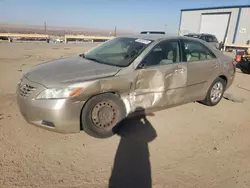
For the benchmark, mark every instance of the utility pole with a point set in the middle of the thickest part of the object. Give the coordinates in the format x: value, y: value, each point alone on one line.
x: 45, y: 30
x: 45, y: 27
x: 166, y: 28
x: 115, y: 31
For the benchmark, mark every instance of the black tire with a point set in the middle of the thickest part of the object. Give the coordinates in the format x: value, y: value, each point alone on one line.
x: 96, y: 125
x: 208, y: 101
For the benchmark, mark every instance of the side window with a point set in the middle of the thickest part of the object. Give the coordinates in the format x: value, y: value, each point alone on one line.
x: 164, y: 53
x: 195, y: 51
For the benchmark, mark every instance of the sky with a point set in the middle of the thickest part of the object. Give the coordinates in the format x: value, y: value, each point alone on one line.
x: 132, y: 15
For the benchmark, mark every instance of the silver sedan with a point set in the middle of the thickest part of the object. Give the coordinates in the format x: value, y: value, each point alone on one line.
x: 95, y: 91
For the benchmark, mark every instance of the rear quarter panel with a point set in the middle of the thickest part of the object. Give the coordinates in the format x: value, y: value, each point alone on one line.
x: 226, y: 64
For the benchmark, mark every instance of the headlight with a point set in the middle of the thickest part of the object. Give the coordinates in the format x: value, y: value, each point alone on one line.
x: 59, y: 93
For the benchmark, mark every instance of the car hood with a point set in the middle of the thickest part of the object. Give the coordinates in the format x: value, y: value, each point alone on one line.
x: 67, y: 71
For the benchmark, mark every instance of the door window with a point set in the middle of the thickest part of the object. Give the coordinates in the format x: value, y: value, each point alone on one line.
x: 164, y: 53
x: 195, y: 51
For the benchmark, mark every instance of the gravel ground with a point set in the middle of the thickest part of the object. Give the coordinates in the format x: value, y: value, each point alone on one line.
x: 190, y: 146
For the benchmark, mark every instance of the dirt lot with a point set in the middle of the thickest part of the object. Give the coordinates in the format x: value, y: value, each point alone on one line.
x: 191, y: 146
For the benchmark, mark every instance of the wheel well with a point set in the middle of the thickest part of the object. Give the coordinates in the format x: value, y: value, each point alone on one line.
x: 223, y: 78
x: 112, y: 92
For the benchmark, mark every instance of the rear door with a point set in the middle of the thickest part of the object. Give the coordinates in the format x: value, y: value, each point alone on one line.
x: 202, y: 68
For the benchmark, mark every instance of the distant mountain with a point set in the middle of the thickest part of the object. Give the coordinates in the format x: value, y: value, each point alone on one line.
x: 55, y: 30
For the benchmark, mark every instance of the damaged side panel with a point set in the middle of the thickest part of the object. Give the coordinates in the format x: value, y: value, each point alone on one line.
x: 158, y: 87
x: 150, y: 88
x: 119, y: 84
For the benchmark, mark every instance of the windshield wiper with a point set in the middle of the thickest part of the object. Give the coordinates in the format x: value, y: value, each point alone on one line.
x: 89, y: 58
x: 98, y: 61
x: 92, y: 59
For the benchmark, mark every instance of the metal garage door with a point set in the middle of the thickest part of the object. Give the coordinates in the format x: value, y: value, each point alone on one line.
x: 215, y: 24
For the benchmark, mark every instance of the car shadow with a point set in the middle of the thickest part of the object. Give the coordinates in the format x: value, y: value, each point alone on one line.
x: 131, y: 166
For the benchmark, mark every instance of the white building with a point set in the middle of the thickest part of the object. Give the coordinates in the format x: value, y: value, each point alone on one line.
x: 229, y: 24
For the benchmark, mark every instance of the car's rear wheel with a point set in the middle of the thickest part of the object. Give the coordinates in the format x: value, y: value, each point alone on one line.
x: 102, y: 114
x: 215, y: 92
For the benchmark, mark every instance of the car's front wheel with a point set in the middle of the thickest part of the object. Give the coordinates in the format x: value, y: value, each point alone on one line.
x: 101, y: 114
x: 215, y: 92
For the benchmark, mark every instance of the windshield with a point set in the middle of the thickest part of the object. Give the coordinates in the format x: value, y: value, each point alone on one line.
x: 119, y: 52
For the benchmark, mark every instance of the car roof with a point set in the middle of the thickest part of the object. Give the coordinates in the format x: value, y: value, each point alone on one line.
x: 194, y: 34
x: 156, y: 37
x: 207, y: 34
x: 153, y: 32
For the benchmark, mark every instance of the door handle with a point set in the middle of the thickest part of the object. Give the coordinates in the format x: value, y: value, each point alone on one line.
x: 180, y: 70
x: 215, y: 65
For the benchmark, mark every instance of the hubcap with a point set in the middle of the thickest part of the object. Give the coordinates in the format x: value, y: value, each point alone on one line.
x: 216, y: 92
x: 104, y: 115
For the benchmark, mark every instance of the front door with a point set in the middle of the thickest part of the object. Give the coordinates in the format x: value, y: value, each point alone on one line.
x: 161, y: 77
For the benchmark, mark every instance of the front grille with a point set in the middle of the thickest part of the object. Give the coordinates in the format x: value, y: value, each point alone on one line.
x: 25, y: 90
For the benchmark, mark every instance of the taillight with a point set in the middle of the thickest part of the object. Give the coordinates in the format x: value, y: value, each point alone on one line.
x: 238, y: 58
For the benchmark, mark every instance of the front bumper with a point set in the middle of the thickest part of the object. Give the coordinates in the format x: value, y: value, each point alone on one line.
x: 60, y: 115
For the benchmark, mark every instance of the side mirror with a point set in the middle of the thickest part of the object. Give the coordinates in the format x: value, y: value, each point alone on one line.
x: 142, y: 65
